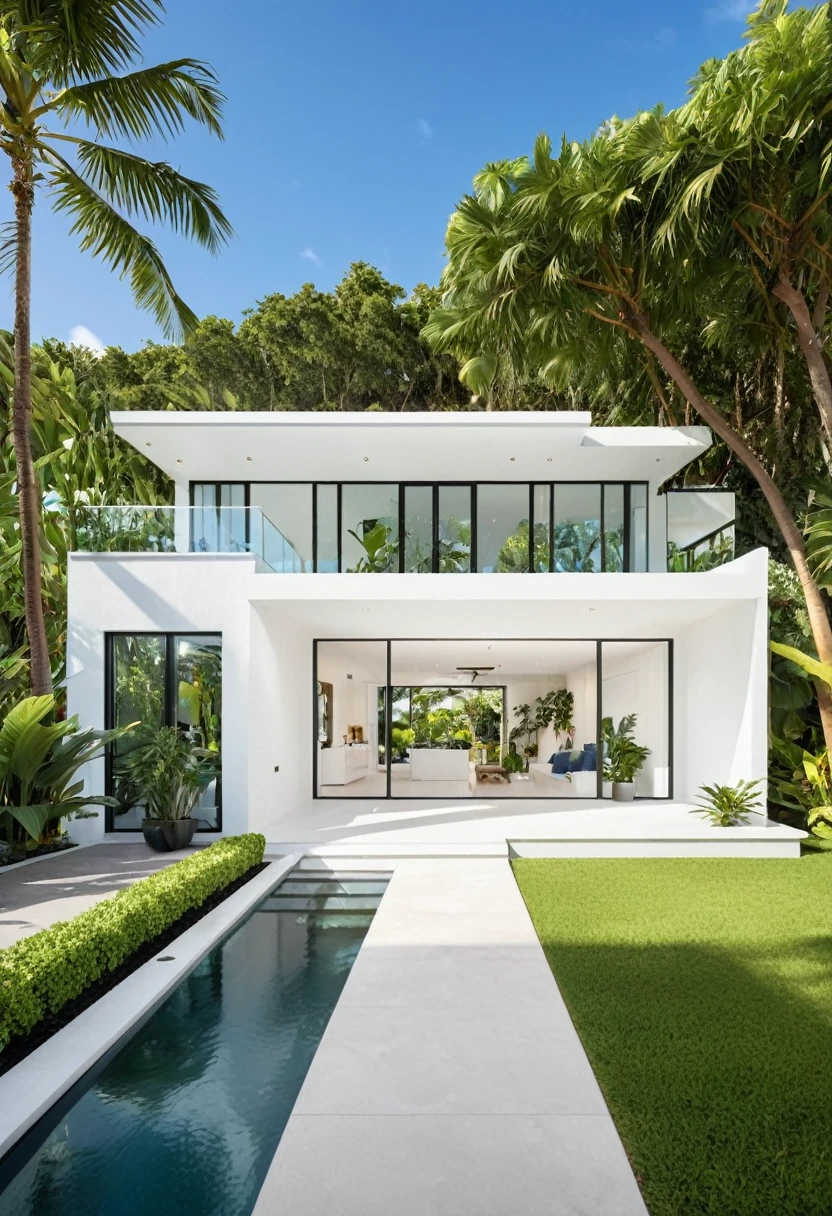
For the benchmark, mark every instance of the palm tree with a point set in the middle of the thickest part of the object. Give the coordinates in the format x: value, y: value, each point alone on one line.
x: 746, y: 174
x: 559, y: 265
x: 63, y: 66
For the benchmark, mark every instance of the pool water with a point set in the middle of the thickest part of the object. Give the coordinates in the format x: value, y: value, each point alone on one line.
x: 186, y: 1115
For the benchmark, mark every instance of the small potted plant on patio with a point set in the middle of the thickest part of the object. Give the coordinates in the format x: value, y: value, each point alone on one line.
x: 624, y: 758
x: 168, y: 774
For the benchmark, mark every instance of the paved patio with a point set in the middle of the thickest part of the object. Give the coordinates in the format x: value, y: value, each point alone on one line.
x: 450, y: 1079
x: 34, y: 896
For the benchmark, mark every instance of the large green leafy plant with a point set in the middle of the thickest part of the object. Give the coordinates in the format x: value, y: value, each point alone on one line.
x: 803, y: 784
x: 39, y: 763
x: 624, y: 758
x: 168, y: 772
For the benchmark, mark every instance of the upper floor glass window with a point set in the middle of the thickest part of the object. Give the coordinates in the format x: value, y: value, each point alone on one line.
x: 370, y: 527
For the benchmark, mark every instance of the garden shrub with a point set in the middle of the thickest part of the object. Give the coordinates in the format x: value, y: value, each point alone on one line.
x: 40, y: 974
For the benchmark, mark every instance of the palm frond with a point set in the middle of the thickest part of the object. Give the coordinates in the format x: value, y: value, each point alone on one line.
x: 108, y: 235
x: 152, y: 101
x: 156, y: 191
x: 82, y: 38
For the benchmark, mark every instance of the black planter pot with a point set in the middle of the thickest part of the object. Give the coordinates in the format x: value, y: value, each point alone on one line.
x: 165, y: 835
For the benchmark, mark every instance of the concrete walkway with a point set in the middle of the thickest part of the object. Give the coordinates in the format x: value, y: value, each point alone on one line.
x: 36, y: 895
x: 450, y: 1080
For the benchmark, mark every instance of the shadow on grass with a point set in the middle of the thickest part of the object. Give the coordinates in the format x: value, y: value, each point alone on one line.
x: 716, y: 1071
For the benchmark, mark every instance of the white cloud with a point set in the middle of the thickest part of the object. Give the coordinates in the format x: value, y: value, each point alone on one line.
x: 310, y: 255
x: 425, y: 129
x: 80, y: 335
x: 729, y: 10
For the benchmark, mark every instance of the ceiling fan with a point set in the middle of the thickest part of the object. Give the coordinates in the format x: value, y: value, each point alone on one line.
x: 474, y: 672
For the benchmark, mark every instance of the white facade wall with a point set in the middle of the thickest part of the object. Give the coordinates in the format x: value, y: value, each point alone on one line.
x: 168, y: 593
x: 268, y: 623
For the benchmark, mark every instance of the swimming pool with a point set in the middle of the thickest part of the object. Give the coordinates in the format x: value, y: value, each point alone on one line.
x: 185, y: 1114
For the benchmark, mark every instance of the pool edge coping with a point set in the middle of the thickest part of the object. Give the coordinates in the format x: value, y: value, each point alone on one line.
x: 30, y: 1088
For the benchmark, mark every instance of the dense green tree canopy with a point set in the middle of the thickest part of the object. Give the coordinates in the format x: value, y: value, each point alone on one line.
x: 355, y: 348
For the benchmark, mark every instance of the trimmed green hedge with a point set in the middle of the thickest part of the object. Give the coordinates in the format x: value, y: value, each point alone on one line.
x: 39, y: 974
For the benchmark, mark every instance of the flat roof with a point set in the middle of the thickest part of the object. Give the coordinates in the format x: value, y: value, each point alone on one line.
x: 372, y: 446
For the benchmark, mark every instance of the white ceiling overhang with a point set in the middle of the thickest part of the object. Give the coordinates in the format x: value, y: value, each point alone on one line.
x: 448, y: 447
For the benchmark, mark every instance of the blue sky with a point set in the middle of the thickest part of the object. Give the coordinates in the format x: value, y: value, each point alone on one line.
x: 352, y: 128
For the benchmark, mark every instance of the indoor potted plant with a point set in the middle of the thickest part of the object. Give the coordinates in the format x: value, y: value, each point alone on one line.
x: 168, y: 773
x: 623, y: 757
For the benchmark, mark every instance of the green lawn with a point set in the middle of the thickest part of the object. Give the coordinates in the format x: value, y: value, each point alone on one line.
x: 702, y: 991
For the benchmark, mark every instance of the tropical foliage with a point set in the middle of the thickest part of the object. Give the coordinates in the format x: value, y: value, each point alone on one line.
x: 623, y: 757
x: 667, y: 246
x: 39, y: 763
x: 728, y: 806
x: 80, y: 467
x: 167, y: 772
x: 64, y: 69
x: 803, y: 785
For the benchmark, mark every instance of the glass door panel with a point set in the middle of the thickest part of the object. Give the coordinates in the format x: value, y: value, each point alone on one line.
x: 138, y: 695
x: 326, y: 514
x: 418, y: 529
x: 503, y: 529
x: 351, y: 739
x: 198, y: 690
x: 542, y: 542
x: 577, y: 538
x: 614, y: 528
x: 454, y: 530
x: 635, y: 703
x: 369, y: 528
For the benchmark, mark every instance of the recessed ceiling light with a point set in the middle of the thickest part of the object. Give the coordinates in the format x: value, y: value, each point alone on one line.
x: 511, y: 458
x: 179, y: 460
x: 248, y: 458
x: 549, y: 458
x: 366, y: 458
x: 148, y: 444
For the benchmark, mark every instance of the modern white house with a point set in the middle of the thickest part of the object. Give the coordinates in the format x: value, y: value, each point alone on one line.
x: 329, y: 589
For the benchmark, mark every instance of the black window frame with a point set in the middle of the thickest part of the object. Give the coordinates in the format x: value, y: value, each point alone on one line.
x: 435, y: 486
x: 388, y: 689
x: 170, y: 705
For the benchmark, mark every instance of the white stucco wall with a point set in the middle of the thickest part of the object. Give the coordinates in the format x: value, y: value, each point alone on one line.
x: 170, y: 593
x: 268, y: 623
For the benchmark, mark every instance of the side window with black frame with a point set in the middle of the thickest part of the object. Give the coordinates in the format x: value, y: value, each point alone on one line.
x: 168, y: 688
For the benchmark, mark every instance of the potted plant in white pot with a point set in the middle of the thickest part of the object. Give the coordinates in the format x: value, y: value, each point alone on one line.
x: 168, y: 773
x: 623, y: 757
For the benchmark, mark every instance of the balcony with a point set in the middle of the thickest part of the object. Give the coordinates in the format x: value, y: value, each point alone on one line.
x: 139, y: 529
x: 438, y: 534
x: 700, y: 529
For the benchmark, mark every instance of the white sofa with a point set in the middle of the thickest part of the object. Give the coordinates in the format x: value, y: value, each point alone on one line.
x: 581, y: 785
x: 438, y: 764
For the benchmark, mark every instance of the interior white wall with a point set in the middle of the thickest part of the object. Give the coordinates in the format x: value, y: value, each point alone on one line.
x: 721, y: 706
x: 521, y: 690
x: 582, y: 683
x: 177, y: 594
x: 366, y: 663
x: 637, y: 683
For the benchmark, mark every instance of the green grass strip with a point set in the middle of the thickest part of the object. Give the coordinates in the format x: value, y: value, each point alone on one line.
x: 702, y: 992
x: 40, y: 974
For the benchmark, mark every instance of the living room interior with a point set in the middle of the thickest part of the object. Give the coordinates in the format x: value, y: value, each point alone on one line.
x: 506, y: 718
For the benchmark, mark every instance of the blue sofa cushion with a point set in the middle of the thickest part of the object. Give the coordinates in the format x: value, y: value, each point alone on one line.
x: 590, y: 758
x: 560, y: 763
x: 576, y: 761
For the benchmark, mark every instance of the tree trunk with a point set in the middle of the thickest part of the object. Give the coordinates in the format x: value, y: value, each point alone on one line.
x: 812, y: 349
x: 40, y: 672
x: 818, y: 619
